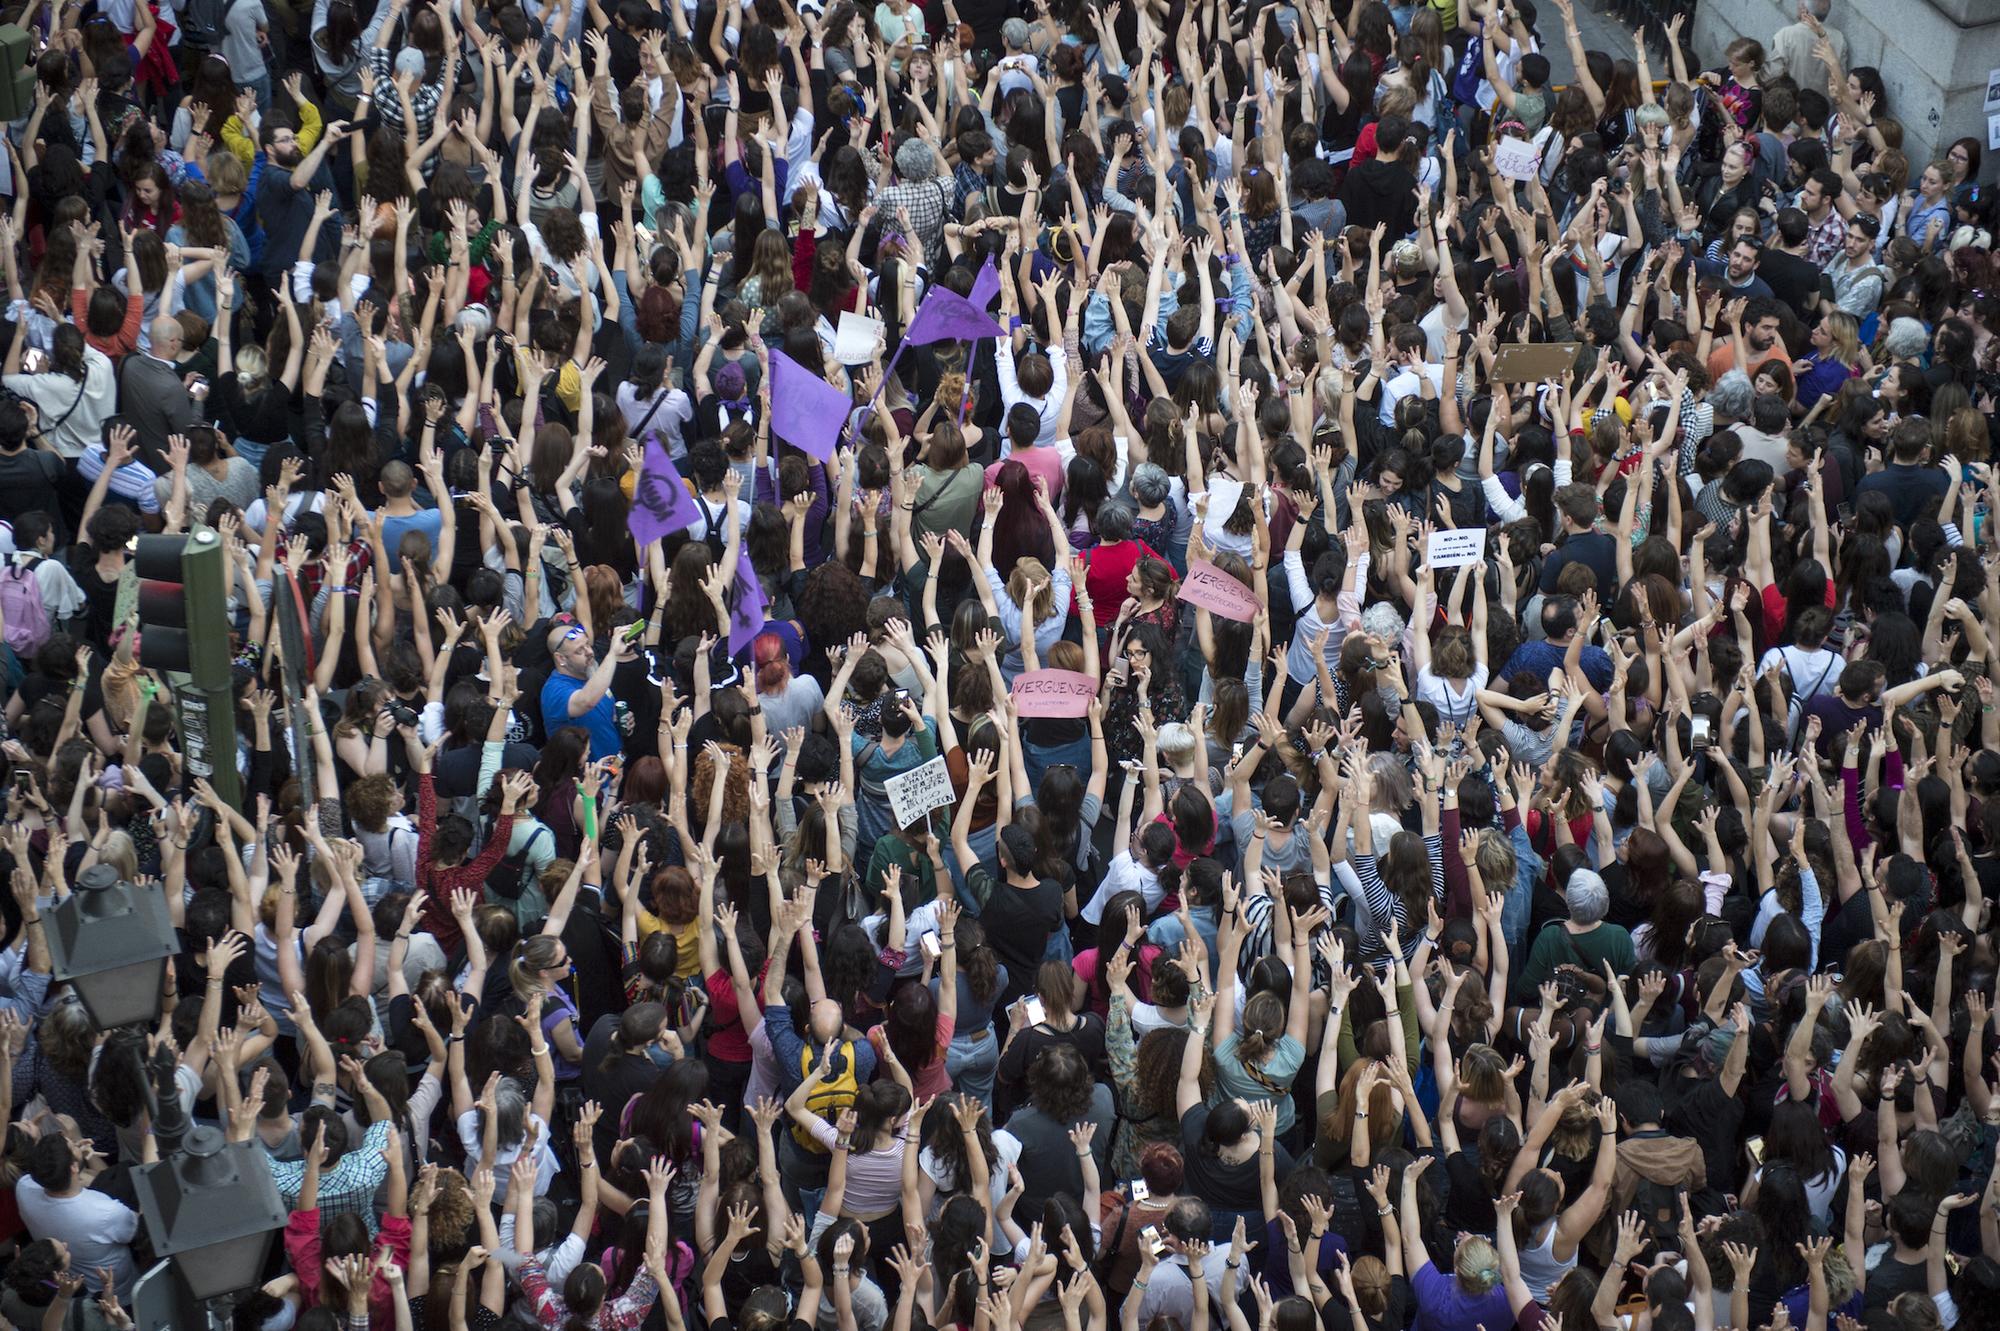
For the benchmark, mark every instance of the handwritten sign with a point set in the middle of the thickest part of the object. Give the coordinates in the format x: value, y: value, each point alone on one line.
x: 1053, y: 693
x: 1517, y: 159
x: 855, y: 340
x: 1216, y: 592
x: 1456, y: 546
x: 918, y: 791
x: 661, y: 504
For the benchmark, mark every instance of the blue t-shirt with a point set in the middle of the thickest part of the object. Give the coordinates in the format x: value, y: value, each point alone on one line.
x: 429, y: 521
x: 601, y: 720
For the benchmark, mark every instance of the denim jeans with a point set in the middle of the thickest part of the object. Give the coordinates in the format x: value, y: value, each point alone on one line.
x: 1039, y: 759
x: 973, y: 1059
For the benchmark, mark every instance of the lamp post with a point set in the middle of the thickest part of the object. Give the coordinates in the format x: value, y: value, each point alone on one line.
x: 210, y: 1205
x: 110, y: 942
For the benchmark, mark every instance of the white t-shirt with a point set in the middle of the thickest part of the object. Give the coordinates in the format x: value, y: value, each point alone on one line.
x: 98, y: 1229
x: 1454, y: 704
x: 546, y: 1164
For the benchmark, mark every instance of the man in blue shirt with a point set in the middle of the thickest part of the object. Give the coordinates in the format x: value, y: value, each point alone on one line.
x: 1559, y: 625
x: 579, y: 691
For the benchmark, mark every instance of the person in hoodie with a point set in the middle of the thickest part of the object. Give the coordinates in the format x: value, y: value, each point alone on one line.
x: 1383, y: 189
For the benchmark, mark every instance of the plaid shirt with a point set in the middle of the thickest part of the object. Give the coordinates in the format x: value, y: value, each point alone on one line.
x: 1825, y: 238
x: 349, y: 1187
x: 388, y: 106
x: 927, y: 202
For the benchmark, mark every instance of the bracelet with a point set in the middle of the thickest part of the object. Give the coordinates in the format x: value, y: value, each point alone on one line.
x: 31, y: 919
x: 841, y: 1143
x: 1138, y: 1284
x: 1361, y: 1113
x: 1385, y: 1210
x: 404, y: 937
x: 215, y: 979
x: 455, y: 1039
x: 543, y: 1052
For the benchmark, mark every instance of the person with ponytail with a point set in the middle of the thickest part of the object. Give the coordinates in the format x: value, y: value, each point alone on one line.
x: 623, y: 1058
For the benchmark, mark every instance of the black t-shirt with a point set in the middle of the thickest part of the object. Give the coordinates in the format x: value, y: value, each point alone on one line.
x: 1469, y: 1202
x: 612, y: 1084
x: 1697, y: 1108
x: 1891, y: 1277
x: 1791, y: 279
x: 28, y: 483
x: 1222, y: 1185
x: 100, y: 596
x: 1018, y: 922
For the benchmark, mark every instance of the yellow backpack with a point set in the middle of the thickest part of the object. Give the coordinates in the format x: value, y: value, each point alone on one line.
x: 830, y: 1096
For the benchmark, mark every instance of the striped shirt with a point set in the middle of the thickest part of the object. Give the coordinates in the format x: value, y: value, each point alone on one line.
x: 133, y: 482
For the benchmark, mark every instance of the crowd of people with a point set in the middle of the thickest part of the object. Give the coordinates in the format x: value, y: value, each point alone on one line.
x: 1382, y: 754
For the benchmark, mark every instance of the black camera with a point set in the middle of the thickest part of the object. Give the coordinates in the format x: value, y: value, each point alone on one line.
x: 402, y: 713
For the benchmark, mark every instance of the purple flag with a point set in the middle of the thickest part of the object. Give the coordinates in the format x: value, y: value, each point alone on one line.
x: 661, y: 504
x: 985, y: 286
x: 948, y: 315
x: 746, y: 619
x: 806, y: 411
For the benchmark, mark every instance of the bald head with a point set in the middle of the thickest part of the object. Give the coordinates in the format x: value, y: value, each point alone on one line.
x: 166, y: 334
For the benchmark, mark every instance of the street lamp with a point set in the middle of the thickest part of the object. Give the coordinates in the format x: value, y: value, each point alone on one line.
x: 110, y: 941
x: 210, y: 1205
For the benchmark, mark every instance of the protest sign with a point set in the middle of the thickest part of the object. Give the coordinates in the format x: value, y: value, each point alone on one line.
x: 918, y: 791
x: 1216, y: 592
x: 1456, y: 546
x: 1053, y: 693
x: 855, y: 339
x: 1517, y: 159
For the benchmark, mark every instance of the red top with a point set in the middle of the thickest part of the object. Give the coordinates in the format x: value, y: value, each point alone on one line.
x: 727, y: 1039
x: 1109, y: 566
x: 1775, y: 608
x: 444, y: 883
x: 120, y: 343
x: 302, y: 1246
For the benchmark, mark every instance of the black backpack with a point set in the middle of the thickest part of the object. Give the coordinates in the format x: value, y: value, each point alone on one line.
x: 509, y: 878
x: 202, y: 22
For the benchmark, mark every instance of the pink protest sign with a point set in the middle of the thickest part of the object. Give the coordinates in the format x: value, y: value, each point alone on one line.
x: 1216, y: 592
x: 1053, y: 693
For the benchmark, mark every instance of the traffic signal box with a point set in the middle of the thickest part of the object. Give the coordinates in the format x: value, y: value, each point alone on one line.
x: 184, y: 633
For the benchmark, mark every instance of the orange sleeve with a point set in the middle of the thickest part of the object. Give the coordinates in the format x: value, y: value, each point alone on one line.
x: 128, y: 333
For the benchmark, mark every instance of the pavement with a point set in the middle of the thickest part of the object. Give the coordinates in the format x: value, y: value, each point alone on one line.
x: 1601, y: 32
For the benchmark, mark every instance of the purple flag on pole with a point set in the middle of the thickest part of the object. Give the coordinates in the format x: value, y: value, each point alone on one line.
x: 806, y: 411
x: 661, y: 504
x: 985, y: 286
x: 746, y: 619
x: 946, y: 314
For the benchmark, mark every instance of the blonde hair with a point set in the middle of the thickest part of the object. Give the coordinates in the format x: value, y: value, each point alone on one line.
x: 1844, y: 333
x: 1477, y: 1266
x: 1176, y: 742
x: 120, y: 854
x: 252, y: 365
x: 1028, y: 571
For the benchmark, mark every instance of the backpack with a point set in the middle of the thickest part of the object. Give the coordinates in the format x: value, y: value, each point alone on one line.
x: 830, y: 1096
x: 376, y: 886
x: 1659, y: 1208
x: 21, y: 602
x: 202, y: 22
x: 509, y: 878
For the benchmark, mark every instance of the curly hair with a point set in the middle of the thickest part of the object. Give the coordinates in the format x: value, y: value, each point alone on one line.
x: 452, y: 1213
x: 1156, y: 1072
x: 835, y: 605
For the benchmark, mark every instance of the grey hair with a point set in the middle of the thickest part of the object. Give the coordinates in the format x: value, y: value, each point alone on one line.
x: 1906, y: 339
x: 510, y: 1108
x: 1587, y: 896
x: 1151, y: 484
x: 915, y: 160
x: 1014, y: 32
x: 1382, y: 620
x: 1732, y: 395
x: 475, y: 319
x: 1114, y: 521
